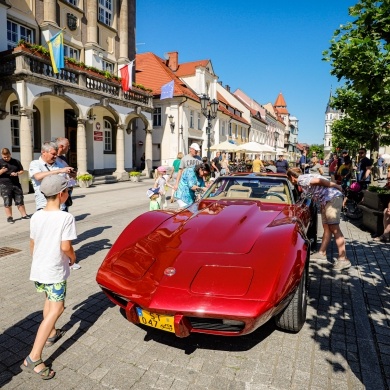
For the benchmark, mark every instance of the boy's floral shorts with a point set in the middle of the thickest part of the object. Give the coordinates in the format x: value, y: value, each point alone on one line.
x: 55, y: 292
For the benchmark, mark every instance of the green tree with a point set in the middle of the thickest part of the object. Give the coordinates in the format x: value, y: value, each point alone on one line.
x: 359, y: 56
x: 319, y: 149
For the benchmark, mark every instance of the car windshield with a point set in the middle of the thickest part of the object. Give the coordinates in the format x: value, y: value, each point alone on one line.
x: 265, y: 189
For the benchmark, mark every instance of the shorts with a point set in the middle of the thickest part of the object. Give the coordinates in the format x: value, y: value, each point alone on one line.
x: 9, y: 192
x: 331, y: 212
x: 55, y: 292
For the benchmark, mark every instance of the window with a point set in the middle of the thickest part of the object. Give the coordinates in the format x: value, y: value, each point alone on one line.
x: 107, y: 136
x: 108, y: 66
x: 223, y: 128
x: 157, y: 116
x: 199, y: 127
x: 71, y: 52
x: 15, y: 133
x: 16, y: 32
x: 235, y: 130
x: 73, y: 2
x: 191, y: 119
x: 105, y: 12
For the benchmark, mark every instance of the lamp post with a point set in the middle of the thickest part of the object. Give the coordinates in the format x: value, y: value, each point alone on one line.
x: 210, y: 114
x: 276, y: 136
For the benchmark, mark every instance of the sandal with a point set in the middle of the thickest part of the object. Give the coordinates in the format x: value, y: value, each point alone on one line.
x: 381, y: 238
x: 45, y: 373
x: 51, y: 340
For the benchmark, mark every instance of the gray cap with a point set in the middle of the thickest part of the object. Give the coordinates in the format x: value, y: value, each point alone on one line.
x: 53, y: 185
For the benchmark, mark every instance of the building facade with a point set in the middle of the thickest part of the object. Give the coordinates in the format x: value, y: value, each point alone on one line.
x: 83, y: 102
x: 331, y: 115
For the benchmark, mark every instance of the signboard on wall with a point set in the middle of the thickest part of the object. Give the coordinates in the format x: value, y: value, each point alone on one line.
x: 98, y: 135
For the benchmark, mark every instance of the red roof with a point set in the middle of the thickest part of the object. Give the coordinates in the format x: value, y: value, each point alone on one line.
x: 280, y: 104
x: 152, y: 72
x: 222, y: 107
x: 188, y: 68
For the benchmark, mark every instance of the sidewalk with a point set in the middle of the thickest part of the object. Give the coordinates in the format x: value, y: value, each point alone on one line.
x: 345, y: 343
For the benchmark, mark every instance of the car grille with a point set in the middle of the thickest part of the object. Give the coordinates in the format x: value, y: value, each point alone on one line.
x: 215, y: 324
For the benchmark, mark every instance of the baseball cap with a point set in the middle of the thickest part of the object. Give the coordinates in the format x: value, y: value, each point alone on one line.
x: 152, y: 191
x: 195, y: 146
x: 53, y: 185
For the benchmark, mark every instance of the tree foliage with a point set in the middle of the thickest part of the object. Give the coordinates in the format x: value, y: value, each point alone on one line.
x: 319, y: 149
x: 359, y: 56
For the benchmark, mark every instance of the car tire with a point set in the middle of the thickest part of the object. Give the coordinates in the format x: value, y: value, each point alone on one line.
x: 293, y: 316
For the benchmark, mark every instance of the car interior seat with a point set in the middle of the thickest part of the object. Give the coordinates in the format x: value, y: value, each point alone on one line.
x: 280, y: 190
x: 238, y: 191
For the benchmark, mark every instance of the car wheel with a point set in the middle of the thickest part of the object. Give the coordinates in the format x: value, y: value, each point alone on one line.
x: 293, y: 316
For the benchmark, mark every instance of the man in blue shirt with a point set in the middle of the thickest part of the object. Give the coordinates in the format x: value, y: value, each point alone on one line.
x: 304, y: 162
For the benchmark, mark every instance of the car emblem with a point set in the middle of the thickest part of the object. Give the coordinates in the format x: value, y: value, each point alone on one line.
x: 170, y: 271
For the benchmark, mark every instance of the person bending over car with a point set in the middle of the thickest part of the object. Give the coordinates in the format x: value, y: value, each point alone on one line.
x: 192, y: 180
x: 330, y: 196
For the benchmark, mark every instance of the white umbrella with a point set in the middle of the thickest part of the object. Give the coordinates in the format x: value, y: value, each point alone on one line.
x: 226, y: 146
x: 255, y: 147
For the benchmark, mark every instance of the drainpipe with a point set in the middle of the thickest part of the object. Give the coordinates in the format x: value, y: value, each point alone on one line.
x: 178, y: 133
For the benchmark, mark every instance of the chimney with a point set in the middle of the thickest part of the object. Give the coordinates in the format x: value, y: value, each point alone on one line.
x: 227, y: 88
x: 173, y: 58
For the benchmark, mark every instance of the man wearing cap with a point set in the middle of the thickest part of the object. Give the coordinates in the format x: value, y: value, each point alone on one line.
x: 51, y: 235
x: 45, y: 166
x: 281, y: 165
x: 189, y: 160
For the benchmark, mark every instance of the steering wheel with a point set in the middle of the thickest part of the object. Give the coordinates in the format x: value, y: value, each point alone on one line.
x: 274, y: 194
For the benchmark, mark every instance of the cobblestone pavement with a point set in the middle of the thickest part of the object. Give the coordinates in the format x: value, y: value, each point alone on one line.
x: 345, y: 343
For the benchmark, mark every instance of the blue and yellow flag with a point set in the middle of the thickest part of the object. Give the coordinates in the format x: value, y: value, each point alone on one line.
x: 56, y: 48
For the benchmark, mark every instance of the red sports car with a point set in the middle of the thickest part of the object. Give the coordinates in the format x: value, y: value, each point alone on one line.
x: 223, y: 266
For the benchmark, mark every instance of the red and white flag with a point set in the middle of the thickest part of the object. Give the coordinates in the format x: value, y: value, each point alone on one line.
x: 127, y: 76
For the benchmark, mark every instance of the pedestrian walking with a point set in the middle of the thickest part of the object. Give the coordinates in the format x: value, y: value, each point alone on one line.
x: 10, y: 188
x: 51, y: 233
x: 175, y: 172
x: 364, y: 169
x: 330, y: 197
x: 257, y: 164
x: 304, y: 162
x: 281, y: 164
x: 189, y: 160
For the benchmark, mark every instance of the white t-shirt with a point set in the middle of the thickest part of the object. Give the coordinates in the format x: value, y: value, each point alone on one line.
x: 37, y: 166
x: 48, y: 229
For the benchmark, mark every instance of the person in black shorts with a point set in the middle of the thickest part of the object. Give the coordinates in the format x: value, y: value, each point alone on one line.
x: 10, y: 188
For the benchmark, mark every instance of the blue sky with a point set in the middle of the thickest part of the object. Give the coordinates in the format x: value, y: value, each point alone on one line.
x: 261, y: 47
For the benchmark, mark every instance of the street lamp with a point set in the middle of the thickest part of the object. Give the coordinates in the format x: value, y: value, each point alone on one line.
x: 172, y: 123
x: 210, y: 114
x: 276, y: 136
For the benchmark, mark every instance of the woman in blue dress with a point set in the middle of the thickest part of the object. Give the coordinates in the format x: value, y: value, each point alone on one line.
x: 191, y: 181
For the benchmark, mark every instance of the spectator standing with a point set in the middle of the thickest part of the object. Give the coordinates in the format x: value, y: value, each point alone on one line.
x: 192, y: 179
x: 45, y: 166
x: 189, y: 160
x: 224, y: 165
x: 315, y: 166
x: 10, y: 187
x: 162, y: 183
x: 51, y: 233
x: 364, y: 169
x: 216, y: 164
x: 330, y: 196
x: 304, y: 162
x: 333, y: 168
x: 175, y: 172
x: 381, y: 163
x: 257, y: 164
x: 63, y: 148
x: 385, y: 237
x: 281, y: 165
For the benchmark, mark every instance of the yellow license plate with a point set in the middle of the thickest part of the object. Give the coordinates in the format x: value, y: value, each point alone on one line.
x: 158, y: 321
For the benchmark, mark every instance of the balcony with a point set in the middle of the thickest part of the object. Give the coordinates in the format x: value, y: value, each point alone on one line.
x: 22, y: 63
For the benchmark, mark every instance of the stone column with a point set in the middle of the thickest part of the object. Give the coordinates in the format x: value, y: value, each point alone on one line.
x: 26, y: 144
x: 49, y: 11
x: 92, y: 21
x: 148, y: 153
x: 81, y: 147
x: 26, y: 129
x: 120, y: 172
x: 123, y: 32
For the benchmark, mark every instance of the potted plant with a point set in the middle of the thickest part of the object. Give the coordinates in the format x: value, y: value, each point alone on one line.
x: 375, y: 200
x: 134, y: 176
x: 84, y: 180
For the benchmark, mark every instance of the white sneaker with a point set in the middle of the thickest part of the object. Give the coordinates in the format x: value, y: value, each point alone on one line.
x: 75, y: 266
